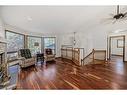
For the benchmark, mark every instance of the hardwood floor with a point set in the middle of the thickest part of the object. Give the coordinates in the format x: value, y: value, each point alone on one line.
x: 63, y: 74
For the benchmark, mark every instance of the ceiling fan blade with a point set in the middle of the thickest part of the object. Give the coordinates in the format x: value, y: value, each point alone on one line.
x: 106, y: 20
x: 125, y: 13
x: 114, y: 21
x: 124, y: 18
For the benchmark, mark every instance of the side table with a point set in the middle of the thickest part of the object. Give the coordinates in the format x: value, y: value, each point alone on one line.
x: 40, y: 57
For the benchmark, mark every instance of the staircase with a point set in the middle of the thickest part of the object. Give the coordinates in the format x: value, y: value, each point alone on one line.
x: 95, y: 57
x: 73, y: 54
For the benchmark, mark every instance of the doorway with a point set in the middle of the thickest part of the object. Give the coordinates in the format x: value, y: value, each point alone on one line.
x: 117, y: 48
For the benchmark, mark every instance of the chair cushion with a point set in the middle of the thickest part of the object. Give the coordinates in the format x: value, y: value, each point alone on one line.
x: 25, y: 53
x: 48, y: 51
x: 30, y: 60
x: 50, y: 56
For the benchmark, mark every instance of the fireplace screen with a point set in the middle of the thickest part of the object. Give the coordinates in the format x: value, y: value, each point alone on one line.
x: 2, y: 58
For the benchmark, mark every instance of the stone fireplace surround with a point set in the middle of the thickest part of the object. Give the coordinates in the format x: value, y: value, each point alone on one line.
x: 3, y: 65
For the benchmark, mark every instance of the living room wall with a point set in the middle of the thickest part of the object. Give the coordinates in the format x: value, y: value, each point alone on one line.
x: 83, y: 40
x: 101, y: 32
x: 2, y: 32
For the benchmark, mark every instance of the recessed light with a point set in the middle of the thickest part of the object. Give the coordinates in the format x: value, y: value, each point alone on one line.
x: 116, y: 31
x: 29, y: 18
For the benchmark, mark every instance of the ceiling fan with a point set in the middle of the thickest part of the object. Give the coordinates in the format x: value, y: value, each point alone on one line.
x: 118, y: 16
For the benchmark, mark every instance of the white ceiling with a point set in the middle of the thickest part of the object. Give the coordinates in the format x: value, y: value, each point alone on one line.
x: 54, y: 19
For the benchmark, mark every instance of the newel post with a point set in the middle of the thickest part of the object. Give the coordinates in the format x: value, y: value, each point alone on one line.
x: 93, y: 55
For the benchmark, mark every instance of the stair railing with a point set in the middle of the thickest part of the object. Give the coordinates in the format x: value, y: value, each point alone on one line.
x: 94, y: 57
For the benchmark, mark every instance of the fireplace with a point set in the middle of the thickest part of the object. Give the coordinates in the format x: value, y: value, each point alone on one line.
x: 3, y: 65
x: 2, y: 57
x: 2, y: 61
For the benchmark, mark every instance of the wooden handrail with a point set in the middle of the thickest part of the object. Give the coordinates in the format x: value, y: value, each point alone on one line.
x: 73, y: 54
x: 87, y: 55
x: 100, y: 50
x: 67, y: 49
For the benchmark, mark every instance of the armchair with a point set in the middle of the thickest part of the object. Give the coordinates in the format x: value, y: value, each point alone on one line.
x: 26, y: 58
x: 49, y: 56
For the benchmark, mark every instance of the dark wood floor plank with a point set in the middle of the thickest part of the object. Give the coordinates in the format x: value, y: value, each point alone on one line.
x: 64, y: 74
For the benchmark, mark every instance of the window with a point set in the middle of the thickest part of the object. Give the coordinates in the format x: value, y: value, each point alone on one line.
x: 120, y: 43
x: 34, y: 44
x: 15, y: 42
x: 49, y: 42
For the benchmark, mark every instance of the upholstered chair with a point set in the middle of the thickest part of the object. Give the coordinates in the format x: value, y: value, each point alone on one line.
x: 49, y: 56
x: 26, y: 58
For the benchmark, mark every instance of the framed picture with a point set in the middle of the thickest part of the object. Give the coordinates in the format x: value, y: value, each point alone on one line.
x: 119, y: 43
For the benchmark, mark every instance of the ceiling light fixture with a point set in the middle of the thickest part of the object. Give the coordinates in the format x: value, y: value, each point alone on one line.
x: 74, y: 40
x: 117, y: 31
x: 29, y: 18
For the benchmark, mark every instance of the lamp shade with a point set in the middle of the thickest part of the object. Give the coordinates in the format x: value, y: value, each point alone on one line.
x: 36, y: 44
